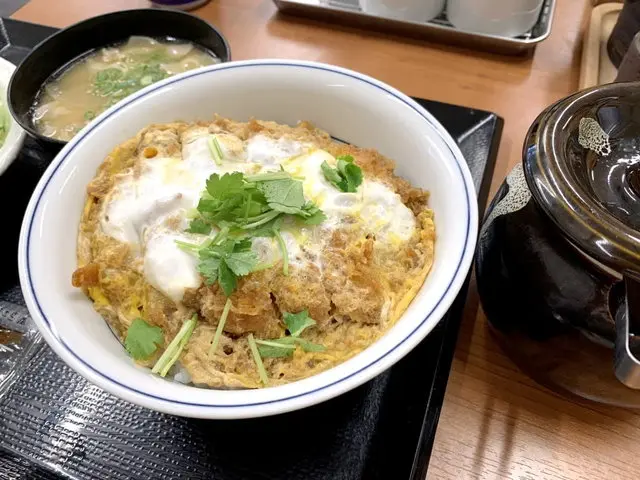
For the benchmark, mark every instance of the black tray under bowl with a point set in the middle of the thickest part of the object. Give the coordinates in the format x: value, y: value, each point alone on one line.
x: 54, y: 424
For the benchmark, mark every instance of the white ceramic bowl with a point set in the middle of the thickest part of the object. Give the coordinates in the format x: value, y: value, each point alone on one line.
x: 13, y: 142
x: 351, y: 107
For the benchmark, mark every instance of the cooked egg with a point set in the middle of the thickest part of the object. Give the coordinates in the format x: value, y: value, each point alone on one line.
x: 141, y: 210
x: 168, y: 268
x: 266, y: 151
x: 377, y: 208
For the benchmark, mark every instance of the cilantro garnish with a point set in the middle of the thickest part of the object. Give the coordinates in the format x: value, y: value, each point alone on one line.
x: 248, y: 202
x: 197, y: 225
x: 283, y: 195
x: 277, y: 348
x: 244, y: 207
x: 283, y: 250
x: 220, y: 327
x: 142, y: 339
x: 215, y: 149
x: 256, y: 358
x: 297, y: 322
x: 310, y: 346
x: 346, y: 177
x: 285, y: 346
x: 314, y: 216
x: 173, y: 351
x: 224, y: 262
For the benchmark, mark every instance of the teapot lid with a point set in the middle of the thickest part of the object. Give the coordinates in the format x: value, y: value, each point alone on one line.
x: 582, y: 164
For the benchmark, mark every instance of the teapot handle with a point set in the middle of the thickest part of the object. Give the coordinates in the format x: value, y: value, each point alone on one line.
x: 627, y: 362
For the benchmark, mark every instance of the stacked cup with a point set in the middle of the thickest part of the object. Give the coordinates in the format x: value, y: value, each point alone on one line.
x: 411, y: 10
x: 508, y: 18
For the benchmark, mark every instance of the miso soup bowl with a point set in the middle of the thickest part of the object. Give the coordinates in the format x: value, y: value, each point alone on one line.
x: 56, y: 53
x: 350, y: 107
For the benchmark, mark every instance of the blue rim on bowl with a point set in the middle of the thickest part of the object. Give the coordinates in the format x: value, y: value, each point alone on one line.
x: 326, y: 390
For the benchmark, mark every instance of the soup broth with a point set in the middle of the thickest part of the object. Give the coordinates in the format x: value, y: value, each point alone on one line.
x: 88, y: 87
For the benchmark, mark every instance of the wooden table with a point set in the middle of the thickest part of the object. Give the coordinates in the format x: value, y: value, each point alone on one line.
x: 496, y: 423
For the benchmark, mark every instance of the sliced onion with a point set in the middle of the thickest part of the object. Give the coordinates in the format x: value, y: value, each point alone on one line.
x: 52, y: 89
x: 41, y: 110
x: 178, y: 50
x: 137, y: 41
x: 110, y: 55
x: 47, y: 130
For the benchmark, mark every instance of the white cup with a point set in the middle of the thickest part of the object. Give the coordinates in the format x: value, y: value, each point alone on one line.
x: 413, y: 10
x: 508, y: 18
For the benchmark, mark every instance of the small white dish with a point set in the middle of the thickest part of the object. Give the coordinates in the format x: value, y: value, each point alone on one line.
x: 13, y: 142
x: 350, y: 106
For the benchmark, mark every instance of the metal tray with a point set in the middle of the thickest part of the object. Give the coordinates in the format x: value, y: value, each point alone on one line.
x: 439, y: 29
x: 54, y: 424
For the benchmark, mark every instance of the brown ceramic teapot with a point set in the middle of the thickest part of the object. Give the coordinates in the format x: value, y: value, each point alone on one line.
x: 558, y: 261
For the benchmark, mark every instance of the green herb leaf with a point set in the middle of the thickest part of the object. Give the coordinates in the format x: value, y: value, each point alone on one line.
x: 173, y: 351
x: 285, y: 346
x: 242, y: 245
x: 310, y: 346
x: 313, y: 215
x: 241, y: 263
x: 345, y: 158
x: 256, y: 358
x: 89, y: 115
x: 215, y: 149
x: 227, y: 279
x: 330, y: 174
x: 225, y: 186
x: 265, y: 230
x: 197, y: 225
x: 275, y: 228
x: 208, y: 205
x: 142, y: 339
x: 223, y: 261
x: 209, y: 269
x: 250, y: 204
x: 297, y: 322
x: 192, y: 248
x: 220, y: 327
x: 260, y: 220
x: 255, y: 204
x: 278, y: 348
x: 284, y: 195
x: 346, y: 177
x: 351, y: 173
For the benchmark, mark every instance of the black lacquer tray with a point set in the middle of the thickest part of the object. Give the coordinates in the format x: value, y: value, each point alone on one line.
x: 54, y: 424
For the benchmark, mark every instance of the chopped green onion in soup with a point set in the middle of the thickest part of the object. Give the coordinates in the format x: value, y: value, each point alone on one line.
x: 105, y: 77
